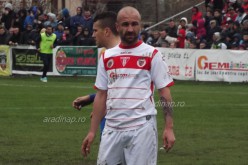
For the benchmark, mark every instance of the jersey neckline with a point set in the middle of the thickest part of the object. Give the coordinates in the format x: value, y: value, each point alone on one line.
x: 131, y: 46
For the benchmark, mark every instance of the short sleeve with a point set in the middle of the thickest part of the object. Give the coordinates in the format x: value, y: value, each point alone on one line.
x: 101, y: 78
x: 160, y: 72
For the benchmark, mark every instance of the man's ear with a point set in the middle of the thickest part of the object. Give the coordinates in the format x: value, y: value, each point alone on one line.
x: 107, y: 31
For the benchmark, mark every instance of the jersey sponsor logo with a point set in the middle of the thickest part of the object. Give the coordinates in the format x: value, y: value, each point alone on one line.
x: 110, y: 63
x: 141, y: 62
x: 124, y: 60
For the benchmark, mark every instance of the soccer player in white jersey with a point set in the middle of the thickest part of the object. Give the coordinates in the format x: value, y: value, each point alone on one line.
x: 105, y: 35
x: 125, y: 82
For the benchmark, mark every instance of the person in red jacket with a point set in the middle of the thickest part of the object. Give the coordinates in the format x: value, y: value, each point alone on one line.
x: 182, y: 33
x: 196, y: 14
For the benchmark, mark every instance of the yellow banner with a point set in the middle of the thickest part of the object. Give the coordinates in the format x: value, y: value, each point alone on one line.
x: 5, y: 68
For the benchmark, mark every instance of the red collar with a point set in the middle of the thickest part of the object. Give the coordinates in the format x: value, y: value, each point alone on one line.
x: 130, y: 46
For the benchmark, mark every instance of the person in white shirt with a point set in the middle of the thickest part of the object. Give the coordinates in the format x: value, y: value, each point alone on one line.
x: 125, y: 84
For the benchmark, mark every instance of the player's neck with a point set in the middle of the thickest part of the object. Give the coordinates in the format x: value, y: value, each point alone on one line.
x: 113, y: 42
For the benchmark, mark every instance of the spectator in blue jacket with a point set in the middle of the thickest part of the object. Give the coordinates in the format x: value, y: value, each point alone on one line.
x: 29, y: 20
x: 76, y: 20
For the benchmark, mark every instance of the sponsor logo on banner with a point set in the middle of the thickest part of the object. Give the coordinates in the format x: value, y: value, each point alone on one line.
x: 204, y: 63
x: 72, y: 60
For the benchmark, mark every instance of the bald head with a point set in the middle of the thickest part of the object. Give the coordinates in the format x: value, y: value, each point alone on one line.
x: 128, y: 25
x: 128, y: 11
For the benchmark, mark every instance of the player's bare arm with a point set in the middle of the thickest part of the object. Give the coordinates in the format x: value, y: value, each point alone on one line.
x: 99, y: 110
x: 168, y: 134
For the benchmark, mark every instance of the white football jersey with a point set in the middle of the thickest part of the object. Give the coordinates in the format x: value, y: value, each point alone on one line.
x: 129, y: 74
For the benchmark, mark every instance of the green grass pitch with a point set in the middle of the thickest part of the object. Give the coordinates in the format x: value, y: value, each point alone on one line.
x: 39, y: 126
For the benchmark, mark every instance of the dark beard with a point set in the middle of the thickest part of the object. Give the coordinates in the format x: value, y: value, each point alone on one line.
x: 130, y: 41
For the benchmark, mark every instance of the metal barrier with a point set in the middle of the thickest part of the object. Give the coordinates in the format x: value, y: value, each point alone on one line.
x: 167, y: 19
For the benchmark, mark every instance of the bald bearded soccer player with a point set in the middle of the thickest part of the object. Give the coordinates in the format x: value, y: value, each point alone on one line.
x: 126, y: 77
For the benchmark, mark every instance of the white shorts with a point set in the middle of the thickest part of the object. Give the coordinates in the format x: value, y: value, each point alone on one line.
x: 132, y: 147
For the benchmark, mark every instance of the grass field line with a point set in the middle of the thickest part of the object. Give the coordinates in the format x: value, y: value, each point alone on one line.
x: 91, y: 87
x: 43, y: 108
x: 218, y: 104
x: 89, y: 108
x: 48, y: 86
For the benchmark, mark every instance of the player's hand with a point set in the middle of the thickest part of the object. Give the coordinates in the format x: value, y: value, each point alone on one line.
x: 87, y: 143
x: 168, y: 138
x: 80, y: 102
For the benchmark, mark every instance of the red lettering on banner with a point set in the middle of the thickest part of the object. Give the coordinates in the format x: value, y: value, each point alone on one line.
x: 174, y: 70
x: 86, y: 61
x: 188, y: 71
x: 88, y: 51
x: 65, y: 61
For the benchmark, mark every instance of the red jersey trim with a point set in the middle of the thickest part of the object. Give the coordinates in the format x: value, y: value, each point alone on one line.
x: 128, y: 88
x: 170, y: 84
x: 125, y: 109
x: 131, y: 46
x: 127, y: 61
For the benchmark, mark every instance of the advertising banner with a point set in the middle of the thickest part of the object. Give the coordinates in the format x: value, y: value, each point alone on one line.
x: 224, y: 65
x: 5, y: 64
x: 181, y: 62
x: 26, y: 60
x: 75, y: 60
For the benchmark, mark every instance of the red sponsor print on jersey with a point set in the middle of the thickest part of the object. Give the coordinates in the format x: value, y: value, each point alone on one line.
x: 110, y: 63
x: 124, y: 60
x: 141, y: 62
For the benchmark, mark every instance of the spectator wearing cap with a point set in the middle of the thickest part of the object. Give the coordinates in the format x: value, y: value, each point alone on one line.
x: 182, y: 32
x: 241, y: 15
x: 217, y: 43
x: 60, y: 30
x: 4, y: 36
x: 51, y: 20
x: 172, y: 29
x: 76, y: 20
x: 8, y: 16
x: 67, y: 38
x: 213, y: 28
x: 196, y: 14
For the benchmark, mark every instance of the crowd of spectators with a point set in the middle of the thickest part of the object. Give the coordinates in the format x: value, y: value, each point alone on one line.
x: 222, y: 25
x: 24, y: 27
